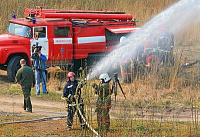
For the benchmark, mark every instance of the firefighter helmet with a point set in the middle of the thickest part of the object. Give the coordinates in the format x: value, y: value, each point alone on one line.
x: 123, y: 39
x: 105, y: 77
x: 70, y: 74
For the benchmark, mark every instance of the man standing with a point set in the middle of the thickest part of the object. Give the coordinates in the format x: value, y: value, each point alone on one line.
x: 166, y: 39
x: 39, y: 66
x: 166, y: 45
x: 103, y: 103
x: 71, y: 93
x: 25, y: 77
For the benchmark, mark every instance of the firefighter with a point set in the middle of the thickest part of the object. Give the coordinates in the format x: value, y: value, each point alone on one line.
x: 149, y: 54
x: 125, y: 65
x: 166, y: 45
x: 69, y: 92
x: 125, y: 68
x: 103, y: 103
x: 25, y: 77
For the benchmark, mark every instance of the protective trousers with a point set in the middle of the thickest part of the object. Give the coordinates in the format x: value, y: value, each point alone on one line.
x: 27, y: 101
x: 125, y: 67
x: 71, y: 112
x: 103, y: 117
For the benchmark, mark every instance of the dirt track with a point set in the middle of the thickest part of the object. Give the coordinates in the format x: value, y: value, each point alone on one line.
x: 14, y: 103
x: 10, y: 104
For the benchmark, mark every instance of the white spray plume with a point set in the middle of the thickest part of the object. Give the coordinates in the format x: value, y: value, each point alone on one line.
x: 175, y: 18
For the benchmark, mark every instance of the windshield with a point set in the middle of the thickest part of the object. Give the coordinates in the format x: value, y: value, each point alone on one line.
x: 20, y: 30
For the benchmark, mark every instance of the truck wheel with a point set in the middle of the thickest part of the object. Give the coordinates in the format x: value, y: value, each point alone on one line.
x: 12, y: 68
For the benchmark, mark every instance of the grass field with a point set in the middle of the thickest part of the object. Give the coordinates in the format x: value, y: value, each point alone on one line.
x: 132, y: 128
x: 147, y: 111
x: 164, y: 103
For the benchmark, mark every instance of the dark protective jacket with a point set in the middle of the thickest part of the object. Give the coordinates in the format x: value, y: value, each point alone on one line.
x: 70, y: 90
x: 166, y: 41
x: 25, y: 76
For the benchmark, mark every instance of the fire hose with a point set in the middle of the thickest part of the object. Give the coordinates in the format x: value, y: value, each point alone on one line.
x: 83, y: 118
x: 53, y: 117
x: 62, y: 116
x: 34, y: 120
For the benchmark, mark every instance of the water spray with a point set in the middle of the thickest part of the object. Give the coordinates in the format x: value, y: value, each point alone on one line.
x: 177, y: 17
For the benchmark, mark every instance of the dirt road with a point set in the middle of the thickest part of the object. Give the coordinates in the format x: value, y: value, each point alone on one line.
x: 14, y: 104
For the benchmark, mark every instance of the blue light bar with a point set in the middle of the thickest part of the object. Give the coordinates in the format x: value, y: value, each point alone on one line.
x: 33, y: 20
x: 14, y: 16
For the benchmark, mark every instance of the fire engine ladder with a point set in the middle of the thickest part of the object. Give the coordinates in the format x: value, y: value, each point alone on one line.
x: 78, y: 14
x: 40, y: 9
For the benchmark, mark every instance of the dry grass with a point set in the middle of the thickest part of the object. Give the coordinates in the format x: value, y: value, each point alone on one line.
x: 151, y: 100
x: 131, y: 128
x: 141, y: 10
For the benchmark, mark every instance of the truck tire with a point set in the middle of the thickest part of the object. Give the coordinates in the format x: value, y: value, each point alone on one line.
x: 13, y: 66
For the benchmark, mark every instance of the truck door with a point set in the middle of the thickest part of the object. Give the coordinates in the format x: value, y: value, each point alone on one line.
x: 40, y: 37
x: 63, y: 47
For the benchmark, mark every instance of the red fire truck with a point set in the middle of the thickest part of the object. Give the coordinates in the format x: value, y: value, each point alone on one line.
x: 65, y: 35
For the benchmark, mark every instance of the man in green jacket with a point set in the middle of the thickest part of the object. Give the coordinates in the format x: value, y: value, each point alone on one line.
x: 25, y: 77
x: 103, y: 104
